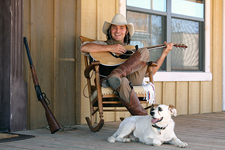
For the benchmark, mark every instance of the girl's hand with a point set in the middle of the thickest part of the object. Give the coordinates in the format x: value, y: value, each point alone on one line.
x: 117, y: 49
x: 168, y: 47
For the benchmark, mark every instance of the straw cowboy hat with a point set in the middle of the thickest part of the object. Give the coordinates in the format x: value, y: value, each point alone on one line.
x: 118, y: 19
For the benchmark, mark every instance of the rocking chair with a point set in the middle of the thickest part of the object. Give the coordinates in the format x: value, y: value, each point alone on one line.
x: 100, y: 97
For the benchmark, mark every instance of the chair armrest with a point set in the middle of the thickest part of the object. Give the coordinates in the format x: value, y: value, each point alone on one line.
x: 89, y: 68
x: 152, y: 64
x: 149, y: 70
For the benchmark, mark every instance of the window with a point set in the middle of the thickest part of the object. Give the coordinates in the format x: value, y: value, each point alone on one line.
x: 179, y: 21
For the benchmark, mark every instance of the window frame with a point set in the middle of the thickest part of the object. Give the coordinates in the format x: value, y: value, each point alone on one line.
x: 223, y: 75
x: 204, y: 75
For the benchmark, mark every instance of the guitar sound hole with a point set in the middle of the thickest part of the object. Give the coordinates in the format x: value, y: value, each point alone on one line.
x: 126, y: 55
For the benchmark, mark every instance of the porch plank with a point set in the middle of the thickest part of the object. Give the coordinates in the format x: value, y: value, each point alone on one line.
x: 200, y: 131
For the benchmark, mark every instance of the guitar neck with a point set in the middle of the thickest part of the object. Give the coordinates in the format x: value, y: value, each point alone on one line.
x: 163, y: 46
x: 156, y: 47
x: 131, y: 47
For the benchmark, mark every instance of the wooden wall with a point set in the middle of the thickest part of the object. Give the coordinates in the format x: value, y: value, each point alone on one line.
x: 217, y: 23
x: 52, y: 28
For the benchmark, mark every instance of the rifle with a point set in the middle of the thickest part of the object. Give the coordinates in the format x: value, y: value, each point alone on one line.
x: 52, y: 122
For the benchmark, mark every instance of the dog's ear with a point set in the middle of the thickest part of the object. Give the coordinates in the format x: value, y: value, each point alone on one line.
x: 173, y: 110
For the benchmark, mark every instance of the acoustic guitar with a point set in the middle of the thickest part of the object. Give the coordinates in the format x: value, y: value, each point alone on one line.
x: 109, y: 61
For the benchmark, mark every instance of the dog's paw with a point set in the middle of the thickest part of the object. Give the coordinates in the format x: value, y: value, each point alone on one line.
x: 182, y: 145
x: 126, y: 140
x: 156, y: 142
x: 111, y: 139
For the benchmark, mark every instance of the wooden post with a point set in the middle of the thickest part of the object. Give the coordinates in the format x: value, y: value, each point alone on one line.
x: 13, y: 99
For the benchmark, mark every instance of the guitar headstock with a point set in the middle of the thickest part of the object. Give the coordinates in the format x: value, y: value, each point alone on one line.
x: 179, y: 45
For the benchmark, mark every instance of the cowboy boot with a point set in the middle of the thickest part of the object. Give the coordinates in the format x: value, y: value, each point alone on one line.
x: 134, y: 106
x: 131, y: 65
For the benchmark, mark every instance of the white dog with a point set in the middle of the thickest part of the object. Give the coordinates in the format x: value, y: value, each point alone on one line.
x: 153, y: 129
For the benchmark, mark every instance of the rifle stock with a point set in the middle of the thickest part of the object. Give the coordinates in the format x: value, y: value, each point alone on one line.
x: 52, y: 122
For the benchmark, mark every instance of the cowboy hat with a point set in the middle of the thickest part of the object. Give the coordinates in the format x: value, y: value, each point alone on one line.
x: 118, y: 19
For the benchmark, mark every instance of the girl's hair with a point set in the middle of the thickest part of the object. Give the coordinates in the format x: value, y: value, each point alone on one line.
x: 127, y: 37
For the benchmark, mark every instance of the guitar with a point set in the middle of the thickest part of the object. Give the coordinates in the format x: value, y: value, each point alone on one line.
x: 109, y: 61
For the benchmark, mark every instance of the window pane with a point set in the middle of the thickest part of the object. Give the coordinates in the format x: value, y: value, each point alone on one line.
x: 139, y: 3
x: 159, y: 5
x: 186, y: 32
x: 148, y: 32
x: 193, y: 8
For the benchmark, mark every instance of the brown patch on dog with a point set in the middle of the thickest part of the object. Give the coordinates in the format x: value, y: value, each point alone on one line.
x: 173, y: 110
x: 171, y: 107
x: 122, y: 118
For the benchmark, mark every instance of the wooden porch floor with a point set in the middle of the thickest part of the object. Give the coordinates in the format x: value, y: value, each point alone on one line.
x: 201, y: 132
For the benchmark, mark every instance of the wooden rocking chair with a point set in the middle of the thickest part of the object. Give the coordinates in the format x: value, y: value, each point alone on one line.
x: 100, y: 97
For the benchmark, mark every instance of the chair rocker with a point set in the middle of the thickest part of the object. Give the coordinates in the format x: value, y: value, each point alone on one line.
x: 100, y: 97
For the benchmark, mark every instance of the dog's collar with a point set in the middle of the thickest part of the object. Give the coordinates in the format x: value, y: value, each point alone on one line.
x: 160, y: 128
